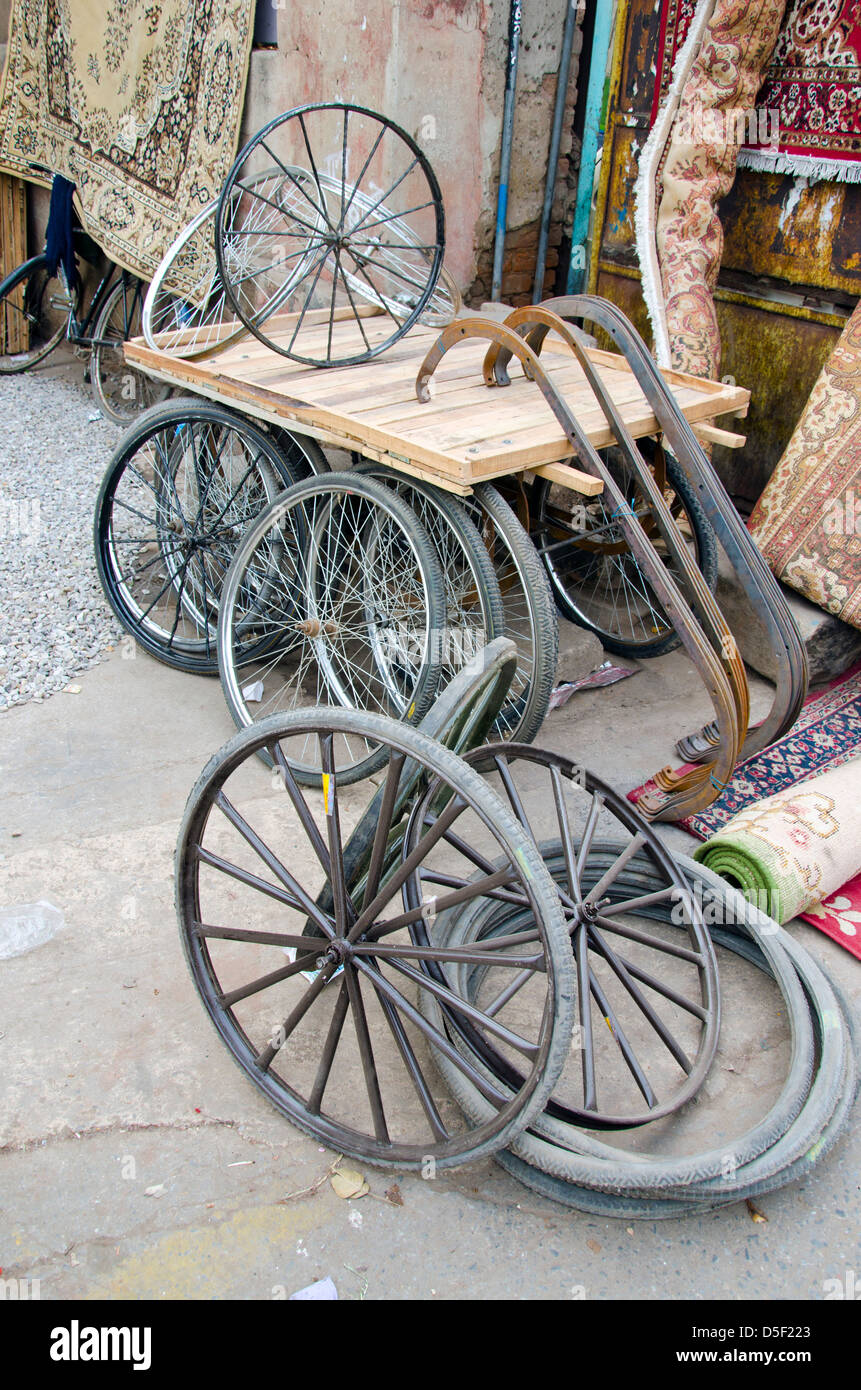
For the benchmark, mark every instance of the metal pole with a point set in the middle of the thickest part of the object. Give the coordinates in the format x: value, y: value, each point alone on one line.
x: 514, y: 27
x: 601, y: 40
x: 555, y: 140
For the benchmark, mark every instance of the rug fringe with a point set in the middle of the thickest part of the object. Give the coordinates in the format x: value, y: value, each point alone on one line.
x: 802, y: 165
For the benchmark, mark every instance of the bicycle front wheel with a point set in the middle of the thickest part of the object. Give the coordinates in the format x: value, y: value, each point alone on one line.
x: 35, y: 308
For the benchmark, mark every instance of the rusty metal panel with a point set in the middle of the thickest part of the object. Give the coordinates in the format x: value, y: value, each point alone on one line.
x: 617, y: 242
x: 778, y: 358
x: 639, y: 66
x: 777, y: 225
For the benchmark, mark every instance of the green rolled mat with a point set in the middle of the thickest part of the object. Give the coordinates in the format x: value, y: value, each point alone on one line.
x: 791, y: 850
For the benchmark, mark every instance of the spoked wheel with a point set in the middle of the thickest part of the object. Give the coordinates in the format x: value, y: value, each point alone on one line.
x: 648, y: 1013
x: 335, y: 1036
x: 596, y: 581
x: 35, y: 308
x: 529, y: 613
x: 186, y: 311
x: 474, y: 610
x: 335, y: 597
x: 370, y: 210
x: 399, y: 299
x: 121, y: 391
x: 177, y: 495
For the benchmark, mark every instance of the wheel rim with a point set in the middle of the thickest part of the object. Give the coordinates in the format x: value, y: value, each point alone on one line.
x: 381, y: 1102
x: 343, y: 234
x: 186, y: 311
x: 629, y: 999
x: 171, y: 516
x: 334, y: 598
x: 28, y: 313
x: 534, y: 634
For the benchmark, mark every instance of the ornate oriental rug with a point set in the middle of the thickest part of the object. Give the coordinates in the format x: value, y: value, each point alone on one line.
x: 712, y: 55
x: 138, y: 102
x: 807, y: 523
x: 811, y: 88
x: 826, y: 735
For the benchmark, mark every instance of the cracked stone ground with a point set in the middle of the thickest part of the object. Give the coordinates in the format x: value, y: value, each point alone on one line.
x: 136, y: 1160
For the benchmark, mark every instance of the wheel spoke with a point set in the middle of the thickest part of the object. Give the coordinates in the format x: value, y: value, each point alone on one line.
x: 384, y: 825
x: 330, y: 1047
x: 274, y: 977
x: 622, y: 1041
x: 624, y: 976
x: 273, y: 863
x: 587, y: 1040
x: 366, y: 1053
x: 412, y: 862
x: 460, y: 1006
x: 259, y: 938
x: 439, y: 1040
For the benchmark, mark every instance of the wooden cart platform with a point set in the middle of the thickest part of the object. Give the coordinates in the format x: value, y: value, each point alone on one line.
x: 467, y: 433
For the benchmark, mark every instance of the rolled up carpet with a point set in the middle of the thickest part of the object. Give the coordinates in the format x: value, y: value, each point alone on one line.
x: 791, y: 850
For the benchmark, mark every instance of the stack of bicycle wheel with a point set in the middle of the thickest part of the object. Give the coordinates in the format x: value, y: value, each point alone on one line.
x: 446, y: 965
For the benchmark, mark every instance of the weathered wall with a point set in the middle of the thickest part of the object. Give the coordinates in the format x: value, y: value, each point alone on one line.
x: 443, y: 59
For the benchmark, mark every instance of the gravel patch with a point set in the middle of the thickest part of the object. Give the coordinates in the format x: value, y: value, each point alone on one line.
x: 54, y: 621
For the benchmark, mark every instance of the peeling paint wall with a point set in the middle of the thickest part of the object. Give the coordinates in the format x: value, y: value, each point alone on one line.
x: 444, y: 60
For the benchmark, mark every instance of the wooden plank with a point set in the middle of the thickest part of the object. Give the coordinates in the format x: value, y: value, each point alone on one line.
x: 710, y: 434
x: 572, y: 478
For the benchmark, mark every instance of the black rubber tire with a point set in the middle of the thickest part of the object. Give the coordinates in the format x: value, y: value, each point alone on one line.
x: 494, y: 1126
x: 565, y: 588
x: 304, y: 456
x: 528, y: 610
x: 197, y: 656
x: 32, y: 279
x: 123, y: 306
x: 237, y: 586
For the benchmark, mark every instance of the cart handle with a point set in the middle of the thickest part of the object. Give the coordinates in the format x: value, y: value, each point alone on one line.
x: 697, y: 789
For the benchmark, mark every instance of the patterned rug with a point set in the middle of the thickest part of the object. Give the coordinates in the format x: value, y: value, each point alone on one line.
x: 826, y: 735
x: 810, y: 86
x: 708, y: 86
x: 138, y: 102
x: 807, y: 523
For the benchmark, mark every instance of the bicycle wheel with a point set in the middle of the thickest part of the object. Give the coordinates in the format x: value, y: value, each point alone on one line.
x: 398, y: 298
x: 35, y: 309
x: 377, y: 181
x: 349, y: 1063
x: 648, y: 1000
x: 333, y: 598
x: 120, y: 390
x: 529, y: 613
x: 182, y: 486
x: 186, y: 311
x: 474, y: 611
x: 597, y: 582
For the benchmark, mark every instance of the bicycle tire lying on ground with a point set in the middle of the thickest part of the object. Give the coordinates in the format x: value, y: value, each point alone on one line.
x: 575, y: 1168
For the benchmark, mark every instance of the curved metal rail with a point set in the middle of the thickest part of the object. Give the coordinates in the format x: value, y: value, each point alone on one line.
x: 758, y: 582
x: 681, y: 797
